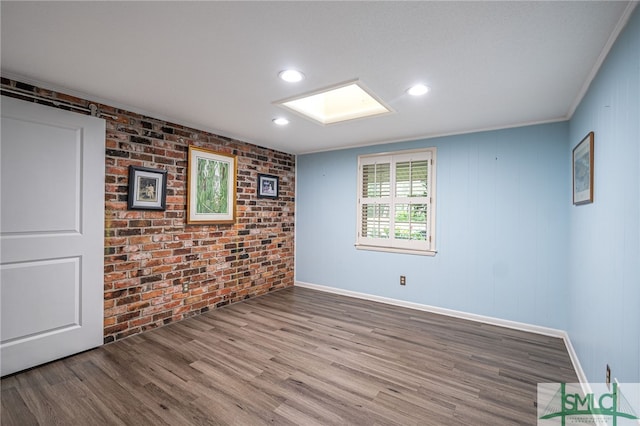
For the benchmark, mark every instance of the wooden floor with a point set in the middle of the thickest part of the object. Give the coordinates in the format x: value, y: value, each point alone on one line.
x: 297, y: 356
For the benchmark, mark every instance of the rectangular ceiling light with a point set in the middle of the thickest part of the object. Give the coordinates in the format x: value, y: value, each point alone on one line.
x: 338, y: 103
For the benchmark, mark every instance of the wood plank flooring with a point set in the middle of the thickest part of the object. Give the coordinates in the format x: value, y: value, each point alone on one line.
x: 297, y: 357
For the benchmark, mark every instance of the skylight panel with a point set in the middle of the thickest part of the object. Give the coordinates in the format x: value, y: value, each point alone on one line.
x: 336, y: 104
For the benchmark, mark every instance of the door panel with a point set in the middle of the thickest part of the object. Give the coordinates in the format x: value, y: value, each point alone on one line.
x: 57, y: 284
x: 54, y: 182
x: 51, y: 234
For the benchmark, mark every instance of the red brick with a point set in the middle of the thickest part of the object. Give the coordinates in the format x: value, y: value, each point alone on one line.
x: 140, y: 321
x: 152, y: 294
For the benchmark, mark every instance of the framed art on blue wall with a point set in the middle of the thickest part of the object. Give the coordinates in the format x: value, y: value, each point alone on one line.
x: 147, y: 189
x: 583, y: 171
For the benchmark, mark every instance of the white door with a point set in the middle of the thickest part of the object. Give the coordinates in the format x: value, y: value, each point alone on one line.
x: 51, y: 234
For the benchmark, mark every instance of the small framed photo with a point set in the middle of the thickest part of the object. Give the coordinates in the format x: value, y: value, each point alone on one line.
x: 583, y: 171
x: 147, y: 189
x: 211, y: 187
x: 268, y: 186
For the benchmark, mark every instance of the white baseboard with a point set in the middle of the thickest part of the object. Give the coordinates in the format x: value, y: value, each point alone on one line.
x: 582, y: 378
x: 546, y: 331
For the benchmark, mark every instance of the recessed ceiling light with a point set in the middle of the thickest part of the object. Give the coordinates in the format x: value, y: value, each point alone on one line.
x: 291, y: 76
x: 418, y: 90
x: 343, y: 102
x: 280, y: 121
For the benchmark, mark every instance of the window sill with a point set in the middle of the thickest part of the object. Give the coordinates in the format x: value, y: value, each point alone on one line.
x: 396, y: 250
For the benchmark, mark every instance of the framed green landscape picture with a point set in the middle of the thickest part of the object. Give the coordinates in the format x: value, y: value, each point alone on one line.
x: 211, y: 187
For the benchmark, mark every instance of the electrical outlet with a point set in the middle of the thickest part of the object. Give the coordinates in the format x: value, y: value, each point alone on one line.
x: 403, y: 280
x: 185, y: 287
x: 608, y: 377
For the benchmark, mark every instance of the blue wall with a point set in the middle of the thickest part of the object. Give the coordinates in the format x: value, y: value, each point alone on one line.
x: 510, y: 244
x: 501, y: 226
x: 604, y: 284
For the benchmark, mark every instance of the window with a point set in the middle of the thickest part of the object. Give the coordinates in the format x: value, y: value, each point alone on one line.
x: 396, y: 202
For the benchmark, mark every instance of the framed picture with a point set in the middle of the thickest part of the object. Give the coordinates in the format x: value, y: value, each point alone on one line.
x: 268, y: 186
x: 147, y: 189
x: 583, y: 171
x: 211, y: 187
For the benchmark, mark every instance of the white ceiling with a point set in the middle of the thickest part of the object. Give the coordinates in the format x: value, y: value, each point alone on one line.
x: 214, y: 65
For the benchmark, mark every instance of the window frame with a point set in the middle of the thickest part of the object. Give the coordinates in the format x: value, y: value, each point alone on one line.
x: 393, y: 244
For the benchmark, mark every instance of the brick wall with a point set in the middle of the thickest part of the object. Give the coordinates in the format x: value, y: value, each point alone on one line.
x: 149, y: 255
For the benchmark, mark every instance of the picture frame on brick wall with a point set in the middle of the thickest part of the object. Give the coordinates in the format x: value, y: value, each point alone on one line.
x: 268, y: 186
x: 211, y: 187
x: 147, y: 189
